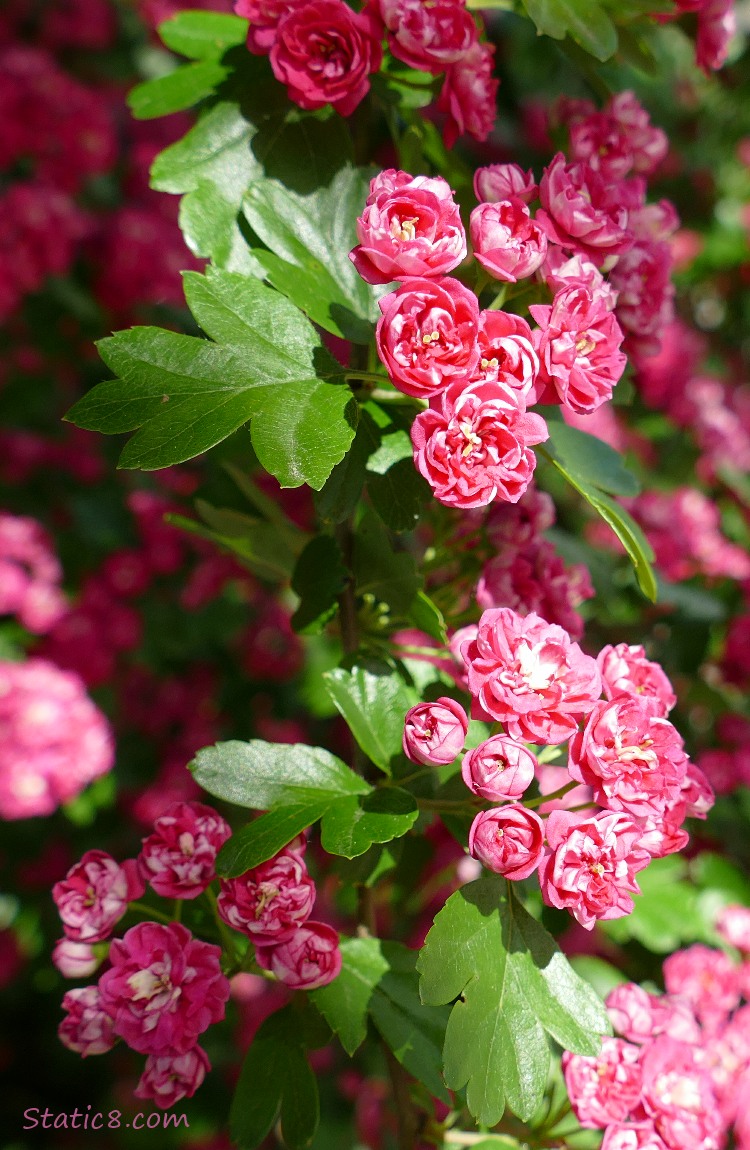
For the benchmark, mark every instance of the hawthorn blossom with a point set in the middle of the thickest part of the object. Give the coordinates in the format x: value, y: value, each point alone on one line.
x: 468, y: 95
x: 591, y: 865
x: 94, y: 895
x: 503, y: 182
x: 163, y: 989
x: 678, y: 1096
x: 75, y: 959
x: 506, y: 352
x: 410, y: 227
x: 179, y: 859
x: 634, y: 760
x: 30, y: 574
x: 309, y: 959
x: 168, y: 1078
x: 626, y: 671
x: 582, y: 212
x: 708, y: 979
x: 508, y: 840
x: 434, y: 733
x: 427, y: 335
x: 506, y: 241
x: 529, y: 675
x: 325, y: 53
x: 87, y: 1028
x: 603, y: 1088
x: 270, y: 902
x: 53, y: 740
x: 473, y: 445
x: 499, y: 769
x: 578, y: 343
x: 263, y: 17
x: 428, y: 37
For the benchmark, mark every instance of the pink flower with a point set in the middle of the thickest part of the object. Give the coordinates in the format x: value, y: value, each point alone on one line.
x: 591, y: 865
x: 717, y: 24
x: 168, y: 1078
x: 311, y: 958
x: 94, y: 895
x: 708, y: 979
x: 499, y: 769
x: 560, y: 272
x: 30, y: 574
x: 733, y: 925
x: 428, y: 37
x: 508, y: 840
x: 434, y: 733
x: 427, y: 335
x: 634, y: 1136
x: 87, y: 1029
x: 619, y: 139
x: 642, y: 279
x: 578, y: 343
x: 270, y: 902
x: 648, y: 145
x: 634, y: 760
x: 53, y: 740
x: 527, y: 673
x: 474, y: 445
x: 179, y: 859
x: 410, y: 227
x: 324, y: 53
x: 506, y: 352
x: 264, y: 17
x: 507, y: 242
x: 697, y: 793
x: 640, y: 1016
x: 678, y: 1096
x: 468, y: 95
x: 503, y: 182
x: 582, y: 212
x: 605, y: 1088
x: 75, y: 959
x: 626, y: 671
x: 536, y: 579
x: 164, y: 988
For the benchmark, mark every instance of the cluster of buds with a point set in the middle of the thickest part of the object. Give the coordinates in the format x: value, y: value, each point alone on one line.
x: 678, y: 1077
x: 537, y: 687
x: 162, y: 987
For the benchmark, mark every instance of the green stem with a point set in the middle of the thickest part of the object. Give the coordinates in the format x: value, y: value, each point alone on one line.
x: 177, y: 912
x: 368, y: 376
x: 224, y: 933
x: 150, y: 911
x: 456, y: 805
x: 532, y: 803
x: 397, y: 397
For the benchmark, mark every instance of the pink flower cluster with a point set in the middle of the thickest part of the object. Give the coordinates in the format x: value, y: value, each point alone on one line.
x: 272, y: 904
x: 679, y: 1077
x: 162, y: 987
x: 324, y: 52
x: 53, y: 740
x: 529, y: 678
x: 525, y: 571
x: 30, y: 574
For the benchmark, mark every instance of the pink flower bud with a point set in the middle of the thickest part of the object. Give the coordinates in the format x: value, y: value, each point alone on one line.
x: 74, y: 959
x: 503, y: 181
x: 508, y: 840
x: 434, y: 733
x: 310, y: 958
x: 499, y: 769
x: 88, y: 1028
x: 507, y: 242
x: 168, y: 1078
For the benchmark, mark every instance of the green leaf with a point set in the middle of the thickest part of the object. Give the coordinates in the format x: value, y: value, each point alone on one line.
x: 413, y: 1031
x: 319, y: 578
x: 314, y: 234
x: 276, y: 1083
x: 585, y: 21
x: 589, y: 460
x: 666, y: 914
x: 389, y: 576
x: 188, y: 394
x: 512, y: 984
x: 203, y: 35
x: 396, y: 489
x: 349, y: 827
x: 622, y: 523
x: 180, y: 89
x: 264, y: 775
x: 265, y: 836
x: 427, y: 616
x: 345, y: 1001
x: 341, y: 492
x: 264, y: 547
x: 373, y: 699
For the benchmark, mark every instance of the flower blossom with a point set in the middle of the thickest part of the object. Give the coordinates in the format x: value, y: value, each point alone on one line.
x: 434, y: 733
x: 504, y: 181
x: 499, y: 769
x: 506, y: 241
x: 626, y: 671
x: 179, y: 859
x: 428, y: 37
x: 508, y: 840
x: 270, y: 902
x: 410, y: 227
x: 604, y: 1088
x: 168, y: 1078
x: 309, y: 959
x: 94, y: 895
x: 88, y: 1028
x: 582, y: 212
x: 528, y: 674
x: 468, y: 95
